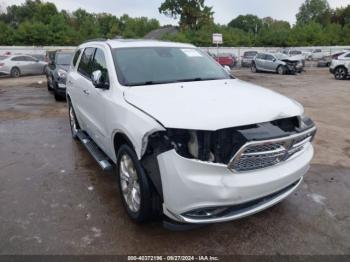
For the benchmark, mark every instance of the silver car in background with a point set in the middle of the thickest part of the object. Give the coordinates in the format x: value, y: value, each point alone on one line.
x: 277, y: 62
x: 17, y: 65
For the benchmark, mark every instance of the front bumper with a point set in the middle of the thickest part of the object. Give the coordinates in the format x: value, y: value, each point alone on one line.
x: 331, y: 70
x: 191, y: 185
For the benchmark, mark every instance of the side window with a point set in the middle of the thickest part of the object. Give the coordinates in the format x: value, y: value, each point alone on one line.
x: 84, y: 67
x: 29, y: 59
x: 76, y: 57
x: 260, y: 56
x: 99, y: 63
x: 348, y: 55
x: 18, y: 58
x: 269, y: 58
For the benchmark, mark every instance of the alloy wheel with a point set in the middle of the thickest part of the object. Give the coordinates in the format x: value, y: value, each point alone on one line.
x: 340, y: 73
x: 129, y: 182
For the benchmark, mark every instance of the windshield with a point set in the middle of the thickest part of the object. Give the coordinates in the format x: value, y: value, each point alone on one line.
x: 281, y: 56
x: 250, y: 54
x: 295, y: 52
x: 159, y: 65
x: 63, y: 59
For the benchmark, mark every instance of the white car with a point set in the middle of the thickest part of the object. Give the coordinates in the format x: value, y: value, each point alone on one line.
x: 190, y: 142
x: 18, y: 65
x: 340, y: 67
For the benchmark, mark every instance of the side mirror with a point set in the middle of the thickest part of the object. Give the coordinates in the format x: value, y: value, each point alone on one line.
x: 98, y: 80
x: 227, y: 69
x: 274, y: 60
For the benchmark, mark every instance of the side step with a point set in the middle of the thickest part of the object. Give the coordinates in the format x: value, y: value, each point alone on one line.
x: 101, y: 158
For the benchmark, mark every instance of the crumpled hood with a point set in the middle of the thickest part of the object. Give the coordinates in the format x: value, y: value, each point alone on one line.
x: 63, y: 67
x: 295, y: 58
x: 211, y: 105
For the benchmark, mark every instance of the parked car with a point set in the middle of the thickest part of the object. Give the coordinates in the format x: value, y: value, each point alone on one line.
x: 340, y: 66
x: 226, y: 60
x: 279, y: 63
x: 186, y: 145
x: 295, y: 54
x: 18, y: 65
x: 315, y: 54
x: 327, y: 60
x: 247, y: 58
x: 56, y: 74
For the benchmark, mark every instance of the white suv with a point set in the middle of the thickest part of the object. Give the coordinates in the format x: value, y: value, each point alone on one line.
x: 189, y: 141
x: 340, y: 67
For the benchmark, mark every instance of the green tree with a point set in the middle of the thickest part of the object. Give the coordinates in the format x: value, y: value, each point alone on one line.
x: 247, y: 23
x: 193, y: 14
x: 314, y: 11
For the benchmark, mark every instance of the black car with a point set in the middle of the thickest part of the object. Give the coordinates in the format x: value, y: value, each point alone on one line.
x: 57, y: 73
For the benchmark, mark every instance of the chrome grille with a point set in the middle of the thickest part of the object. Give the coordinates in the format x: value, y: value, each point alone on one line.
x: 262, y: 154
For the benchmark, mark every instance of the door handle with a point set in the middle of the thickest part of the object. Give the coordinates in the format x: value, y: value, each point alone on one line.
x: 86, y: 92
x: 70, y: 82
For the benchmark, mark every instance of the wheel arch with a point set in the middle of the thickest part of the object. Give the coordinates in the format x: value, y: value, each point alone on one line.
x: 341, y: 66
x: 15, y: 67
x: 119, y: 139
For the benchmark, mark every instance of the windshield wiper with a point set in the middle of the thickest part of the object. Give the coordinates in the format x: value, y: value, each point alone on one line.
x: 196, y: 79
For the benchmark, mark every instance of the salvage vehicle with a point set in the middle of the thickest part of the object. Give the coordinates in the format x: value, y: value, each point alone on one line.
x: 226, y: 60
x: 340, y: 66
x: 279, y: 63
x: 18, y: 65
x: 56, y: 74
x: 191, y: 143
x: 247, y: 58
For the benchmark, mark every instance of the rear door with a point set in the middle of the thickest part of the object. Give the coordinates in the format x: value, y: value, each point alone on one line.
x: 97, y: 101
x: 82, y: 88
x: 22, y: 63
x: 259, y: 61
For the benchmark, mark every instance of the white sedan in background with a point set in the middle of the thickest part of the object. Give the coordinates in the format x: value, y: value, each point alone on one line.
x: 17, y: 65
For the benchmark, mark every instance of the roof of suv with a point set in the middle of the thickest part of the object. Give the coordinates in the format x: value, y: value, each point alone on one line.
x: 122, y: 43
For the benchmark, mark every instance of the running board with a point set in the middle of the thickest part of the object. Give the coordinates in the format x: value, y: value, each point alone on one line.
x: 101, y: 158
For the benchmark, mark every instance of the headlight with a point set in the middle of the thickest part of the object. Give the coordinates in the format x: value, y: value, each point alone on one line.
x: 305, y: 122
x: 61, y: 73
x: 209, y: 146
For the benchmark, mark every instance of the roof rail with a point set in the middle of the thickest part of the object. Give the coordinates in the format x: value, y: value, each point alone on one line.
x: 95, y: 40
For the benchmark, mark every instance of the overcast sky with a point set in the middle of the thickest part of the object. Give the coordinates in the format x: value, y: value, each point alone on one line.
x: 225, y: 10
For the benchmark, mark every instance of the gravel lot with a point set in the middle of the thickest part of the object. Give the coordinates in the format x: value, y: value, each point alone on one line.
x: 54, y: 199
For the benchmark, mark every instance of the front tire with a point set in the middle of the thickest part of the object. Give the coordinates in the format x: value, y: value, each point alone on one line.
x: 134, y: 186
x: 15, y: 72
x: 281, y: 70
x: 340, y: 73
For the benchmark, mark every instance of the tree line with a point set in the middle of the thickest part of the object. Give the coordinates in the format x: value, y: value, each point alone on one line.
x: 41, y: 23
x: 317, y: 24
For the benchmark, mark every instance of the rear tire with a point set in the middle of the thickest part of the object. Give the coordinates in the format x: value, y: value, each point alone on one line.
x: 253, y: 68
x: 15, y: 72
x: 135, y: 188
x: 73, y: 121
x: 340, y: 73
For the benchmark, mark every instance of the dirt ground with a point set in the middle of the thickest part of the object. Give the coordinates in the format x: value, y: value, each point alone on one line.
x: 54, y: 199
